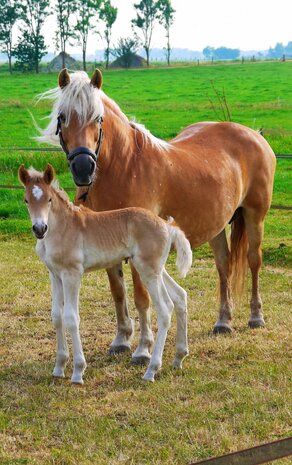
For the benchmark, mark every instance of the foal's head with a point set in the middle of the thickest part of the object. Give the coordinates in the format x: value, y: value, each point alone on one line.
x: 79, y: 122
x: 38, y: 197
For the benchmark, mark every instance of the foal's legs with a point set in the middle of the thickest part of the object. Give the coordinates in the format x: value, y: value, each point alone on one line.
x: 142, y: 302
x: 255, y: 228
x: 179, y: 298
x: 122, y: 341
x: 164, y: 306
x: 71, y: 284
x: 57, y: 318
x: 222, y: 259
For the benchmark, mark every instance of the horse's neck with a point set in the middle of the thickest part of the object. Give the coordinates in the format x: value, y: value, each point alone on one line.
x: 118, y: 140
x: 60, y: 212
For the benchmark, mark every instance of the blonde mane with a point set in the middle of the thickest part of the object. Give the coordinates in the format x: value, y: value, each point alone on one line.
x: 79, y: 96
x: 88, y: 103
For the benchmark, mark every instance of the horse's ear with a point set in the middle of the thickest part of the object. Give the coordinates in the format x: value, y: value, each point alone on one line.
x: 96, y: 80
x: 23, y: 175
x: 64, y: 78
x: 49, y: 174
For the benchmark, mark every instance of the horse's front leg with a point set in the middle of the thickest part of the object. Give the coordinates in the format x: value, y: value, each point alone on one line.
x: 57, y: 319
x: 125, y: 330
x: 71, y: 284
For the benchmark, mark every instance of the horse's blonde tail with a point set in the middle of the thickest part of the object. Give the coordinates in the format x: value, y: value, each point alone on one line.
x: 183, y: 249
x: 238, y: 255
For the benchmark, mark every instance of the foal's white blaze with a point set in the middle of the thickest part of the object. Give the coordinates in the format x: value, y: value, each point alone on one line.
x: 37, y: 192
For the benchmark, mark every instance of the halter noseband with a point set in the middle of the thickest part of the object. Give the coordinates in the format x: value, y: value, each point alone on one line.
x: 80, y: 150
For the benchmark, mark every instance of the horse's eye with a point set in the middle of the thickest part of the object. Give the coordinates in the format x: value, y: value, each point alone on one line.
x: 62, y: 117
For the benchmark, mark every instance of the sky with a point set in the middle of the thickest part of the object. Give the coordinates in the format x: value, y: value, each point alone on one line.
x: 243, y: 24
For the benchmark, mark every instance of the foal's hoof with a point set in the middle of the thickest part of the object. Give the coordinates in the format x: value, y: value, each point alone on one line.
x: 140, y: 360
x: 76, y: 381
x: 257, y: 323
x: 149, y: 377
x: 113, y: 350
x: 222, y: 329
x: 57, y: 373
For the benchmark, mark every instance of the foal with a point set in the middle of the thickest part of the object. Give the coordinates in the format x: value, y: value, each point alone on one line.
x: 73, y: 240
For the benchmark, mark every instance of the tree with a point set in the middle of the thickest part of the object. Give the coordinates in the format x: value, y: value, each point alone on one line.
x: 9, y: 13
x: 224, y: 53
x: 288, y: 48
x: 64, y: 10
x: 86, y: 10
x: 108, y: 14
x: 126, y: 50
x: 208, y: 52
x: 26, y: 54
x: 148, y: 11
x: 277, y: 51
x: 167, y: 19
x: 33, y: 15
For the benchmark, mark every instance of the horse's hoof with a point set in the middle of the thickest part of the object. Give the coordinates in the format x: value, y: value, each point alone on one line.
x: 222, y: 329
x: 57, y: 373
x: 259, y: 323
x: 77, y: 381
x: 140, y: 360
x: 148, y: 377
x: 177, y: 364
x: 113, y: 350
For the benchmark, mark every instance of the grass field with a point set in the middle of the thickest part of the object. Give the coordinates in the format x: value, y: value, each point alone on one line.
x: 234, y: 391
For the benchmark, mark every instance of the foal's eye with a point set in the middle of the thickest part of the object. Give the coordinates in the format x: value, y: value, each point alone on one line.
x: 25, y: 201
x: 50, y: 200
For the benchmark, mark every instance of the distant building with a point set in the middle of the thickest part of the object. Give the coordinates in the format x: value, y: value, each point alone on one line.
x: 57, y: 63
x: 135, y: 62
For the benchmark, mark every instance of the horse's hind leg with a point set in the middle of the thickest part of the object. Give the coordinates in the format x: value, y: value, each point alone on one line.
x: 142, y: 302
x: 179, y: 297
x: 122, y: 341
x: 255, y: 227
x: 153, y: 280
x: 222, y: 259
x: 163, y: 306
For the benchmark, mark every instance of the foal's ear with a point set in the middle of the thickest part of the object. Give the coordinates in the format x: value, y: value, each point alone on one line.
x: 64, y: 78
x: 96, y: 80
x: 49, y: 174
x: 23, y: 175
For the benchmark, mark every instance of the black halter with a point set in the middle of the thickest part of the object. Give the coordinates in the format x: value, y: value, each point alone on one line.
x: 80, y: 150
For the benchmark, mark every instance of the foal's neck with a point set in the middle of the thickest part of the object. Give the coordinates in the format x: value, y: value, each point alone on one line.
x: 61, y: 208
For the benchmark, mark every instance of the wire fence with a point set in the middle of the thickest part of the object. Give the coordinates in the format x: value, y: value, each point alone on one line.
x: 68, y: 189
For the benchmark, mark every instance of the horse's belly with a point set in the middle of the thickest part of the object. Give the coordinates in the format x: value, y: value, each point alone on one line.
x: 96, y: 258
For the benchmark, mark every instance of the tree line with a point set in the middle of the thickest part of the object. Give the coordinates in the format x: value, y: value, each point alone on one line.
x: 74, y: 20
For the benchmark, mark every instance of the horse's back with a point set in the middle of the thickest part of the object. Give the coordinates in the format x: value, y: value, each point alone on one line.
x: 215, y: 146
x: 214, y: 169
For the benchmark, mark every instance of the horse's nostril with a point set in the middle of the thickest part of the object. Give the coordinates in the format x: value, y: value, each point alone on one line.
x: 73, y: 168
x: 92, y: 166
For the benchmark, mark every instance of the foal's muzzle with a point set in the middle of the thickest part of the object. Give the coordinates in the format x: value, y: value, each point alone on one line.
x: 82, y: 164
x: 40, y: 230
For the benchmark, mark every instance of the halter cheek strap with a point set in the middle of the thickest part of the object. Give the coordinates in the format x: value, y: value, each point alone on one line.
x: 80, y: 150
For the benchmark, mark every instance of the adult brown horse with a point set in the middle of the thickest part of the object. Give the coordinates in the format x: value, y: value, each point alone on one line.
x: 209, y: 174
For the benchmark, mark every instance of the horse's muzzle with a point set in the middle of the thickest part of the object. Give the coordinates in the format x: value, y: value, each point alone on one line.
x: 40, y: 230
x: 82, y: 164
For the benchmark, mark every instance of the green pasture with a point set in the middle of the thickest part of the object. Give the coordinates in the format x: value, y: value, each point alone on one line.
x: 234, y: 391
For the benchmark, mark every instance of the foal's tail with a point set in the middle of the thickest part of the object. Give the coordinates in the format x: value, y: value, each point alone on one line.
x: 238, y: 255
x: 183, y: 249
